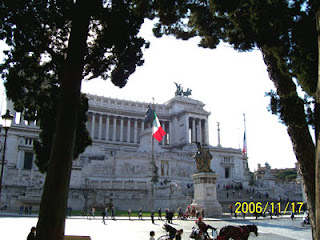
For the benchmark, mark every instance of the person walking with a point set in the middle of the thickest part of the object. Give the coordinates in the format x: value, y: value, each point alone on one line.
x: 32, y: 234
x: 129, y: 213
x: 152, y: 234
x: 93, y: 212
x: 30, y: 210
x: 292, y: 216
x: 159, y: 214
x: 170, y: 216
x: 103, y: 215
x: 178, y: 234
x: 152, y: 216
x: 26, y: 210
x: 140, y: 213
x: 113, y: 213
x: 21, y: 210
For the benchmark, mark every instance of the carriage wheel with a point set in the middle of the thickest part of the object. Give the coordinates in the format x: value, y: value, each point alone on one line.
x: 163, y: 237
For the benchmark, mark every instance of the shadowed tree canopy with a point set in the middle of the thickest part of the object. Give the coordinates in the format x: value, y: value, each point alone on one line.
x: 37, y: 32
x: 54, y: 44
x: 286, y: 34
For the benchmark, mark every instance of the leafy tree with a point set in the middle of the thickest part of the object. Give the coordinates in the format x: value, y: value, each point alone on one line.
x: 287, y: 175
x: 318, y: 134
x: 285, y: 32
x: 47, y: 125
x: 54, y: 44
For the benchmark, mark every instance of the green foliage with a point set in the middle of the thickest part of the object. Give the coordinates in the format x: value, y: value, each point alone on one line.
x: 42, y: 148
x: 37, y: 33
x: 287, y: 176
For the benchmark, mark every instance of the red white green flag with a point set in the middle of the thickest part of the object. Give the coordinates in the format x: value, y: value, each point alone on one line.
x: 157, y: 130
x: 244, y: 148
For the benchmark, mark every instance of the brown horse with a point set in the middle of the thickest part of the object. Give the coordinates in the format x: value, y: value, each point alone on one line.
x: 237, y: 233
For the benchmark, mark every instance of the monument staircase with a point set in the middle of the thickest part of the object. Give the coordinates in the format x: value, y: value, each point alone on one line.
x: 227, y: 197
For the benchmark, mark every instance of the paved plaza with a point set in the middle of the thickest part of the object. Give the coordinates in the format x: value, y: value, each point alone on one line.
x: 15, y: 227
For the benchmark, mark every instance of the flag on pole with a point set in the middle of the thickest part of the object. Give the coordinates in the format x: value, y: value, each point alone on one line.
x: 244, y: 148
x: 157, y: 130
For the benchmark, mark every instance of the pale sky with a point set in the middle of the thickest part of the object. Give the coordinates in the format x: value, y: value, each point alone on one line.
x: 229, y: 83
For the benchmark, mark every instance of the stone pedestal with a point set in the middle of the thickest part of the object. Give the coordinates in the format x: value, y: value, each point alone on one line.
x: 205, y: 194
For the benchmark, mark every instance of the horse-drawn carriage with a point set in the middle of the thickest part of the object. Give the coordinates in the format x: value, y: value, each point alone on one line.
x: 227, y: 232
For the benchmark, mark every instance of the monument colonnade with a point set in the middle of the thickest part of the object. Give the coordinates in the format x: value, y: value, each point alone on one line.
x: 122, y: 128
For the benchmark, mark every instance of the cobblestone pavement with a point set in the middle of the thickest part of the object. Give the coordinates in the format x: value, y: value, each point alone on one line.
x: 14, y: 227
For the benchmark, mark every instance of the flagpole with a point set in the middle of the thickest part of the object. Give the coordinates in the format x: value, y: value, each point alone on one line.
x: 152, y: 148
x: 153, y: 177
x: 245, y: 147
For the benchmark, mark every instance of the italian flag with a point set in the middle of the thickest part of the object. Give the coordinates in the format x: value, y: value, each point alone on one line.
x: 244, y: 149
x: 157, y: 131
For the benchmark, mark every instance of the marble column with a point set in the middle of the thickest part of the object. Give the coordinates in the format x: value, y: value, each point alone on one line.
x: 93, y: 121
x: 128, y: 130
x: 114, y: 128
x: 135, y: 131
x: 206, y: 131
x: 163, y: 141
x: 187, y: 129
x: 100, y: 127
x: 121, y: 129
x: 107, y: 128
x: 200, y: 131
x: 193, y: 133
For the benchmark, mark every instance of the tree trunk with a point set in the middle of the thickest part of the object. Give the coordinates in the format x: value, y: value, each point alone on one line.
x: 298, y: 130
x: 317, y: 110
x: 54, y: 200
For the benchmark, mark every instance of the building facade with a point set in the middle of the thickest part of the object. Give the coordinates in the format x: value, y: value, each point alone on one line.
x: 117, y: 166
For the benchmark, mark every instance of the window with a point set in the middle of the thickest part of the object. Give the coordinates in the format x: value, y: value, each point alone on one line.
x: 28, y: 158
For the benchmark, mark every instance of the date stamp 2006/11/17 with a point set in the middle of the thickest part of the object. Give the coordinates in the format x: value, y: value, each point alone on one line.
x: 270, y: 207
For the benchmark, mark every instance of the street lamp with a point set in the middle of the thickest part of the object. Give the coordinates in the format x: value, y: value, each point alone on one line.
x: 7, y: 119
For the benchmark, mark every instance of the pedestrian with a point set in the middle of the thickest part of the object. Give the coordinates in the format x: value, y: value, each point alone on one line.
x: 129, y: 213
x: 113, y: 213
x: 103, y: 215
x: 32, y: 234
x: 167, y: 215
x: 152, y: 216
x: 270, y: 213
x: 21, y: 210
x: 26, y: 210
x: 170, y: 216
x: 231, y: 209
x: 93, y: 211
x: 178, y: 234
x: 107, y: 211
x: 152, y: 234
x: 140, y: 213
x: 197, y: 213
x: 159, y: 214
x: 202, y: 212
x: 30, y: 209
x: 292, y: 216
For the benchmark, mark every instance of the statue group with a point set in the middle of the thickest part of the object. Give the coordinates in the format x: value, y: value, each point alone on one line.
x: 203, y: 158
x: 180, y: 92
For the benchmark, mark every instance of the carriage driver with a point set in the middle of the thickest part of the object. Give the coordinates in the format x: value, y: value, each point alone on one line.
x: 204, y: 227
